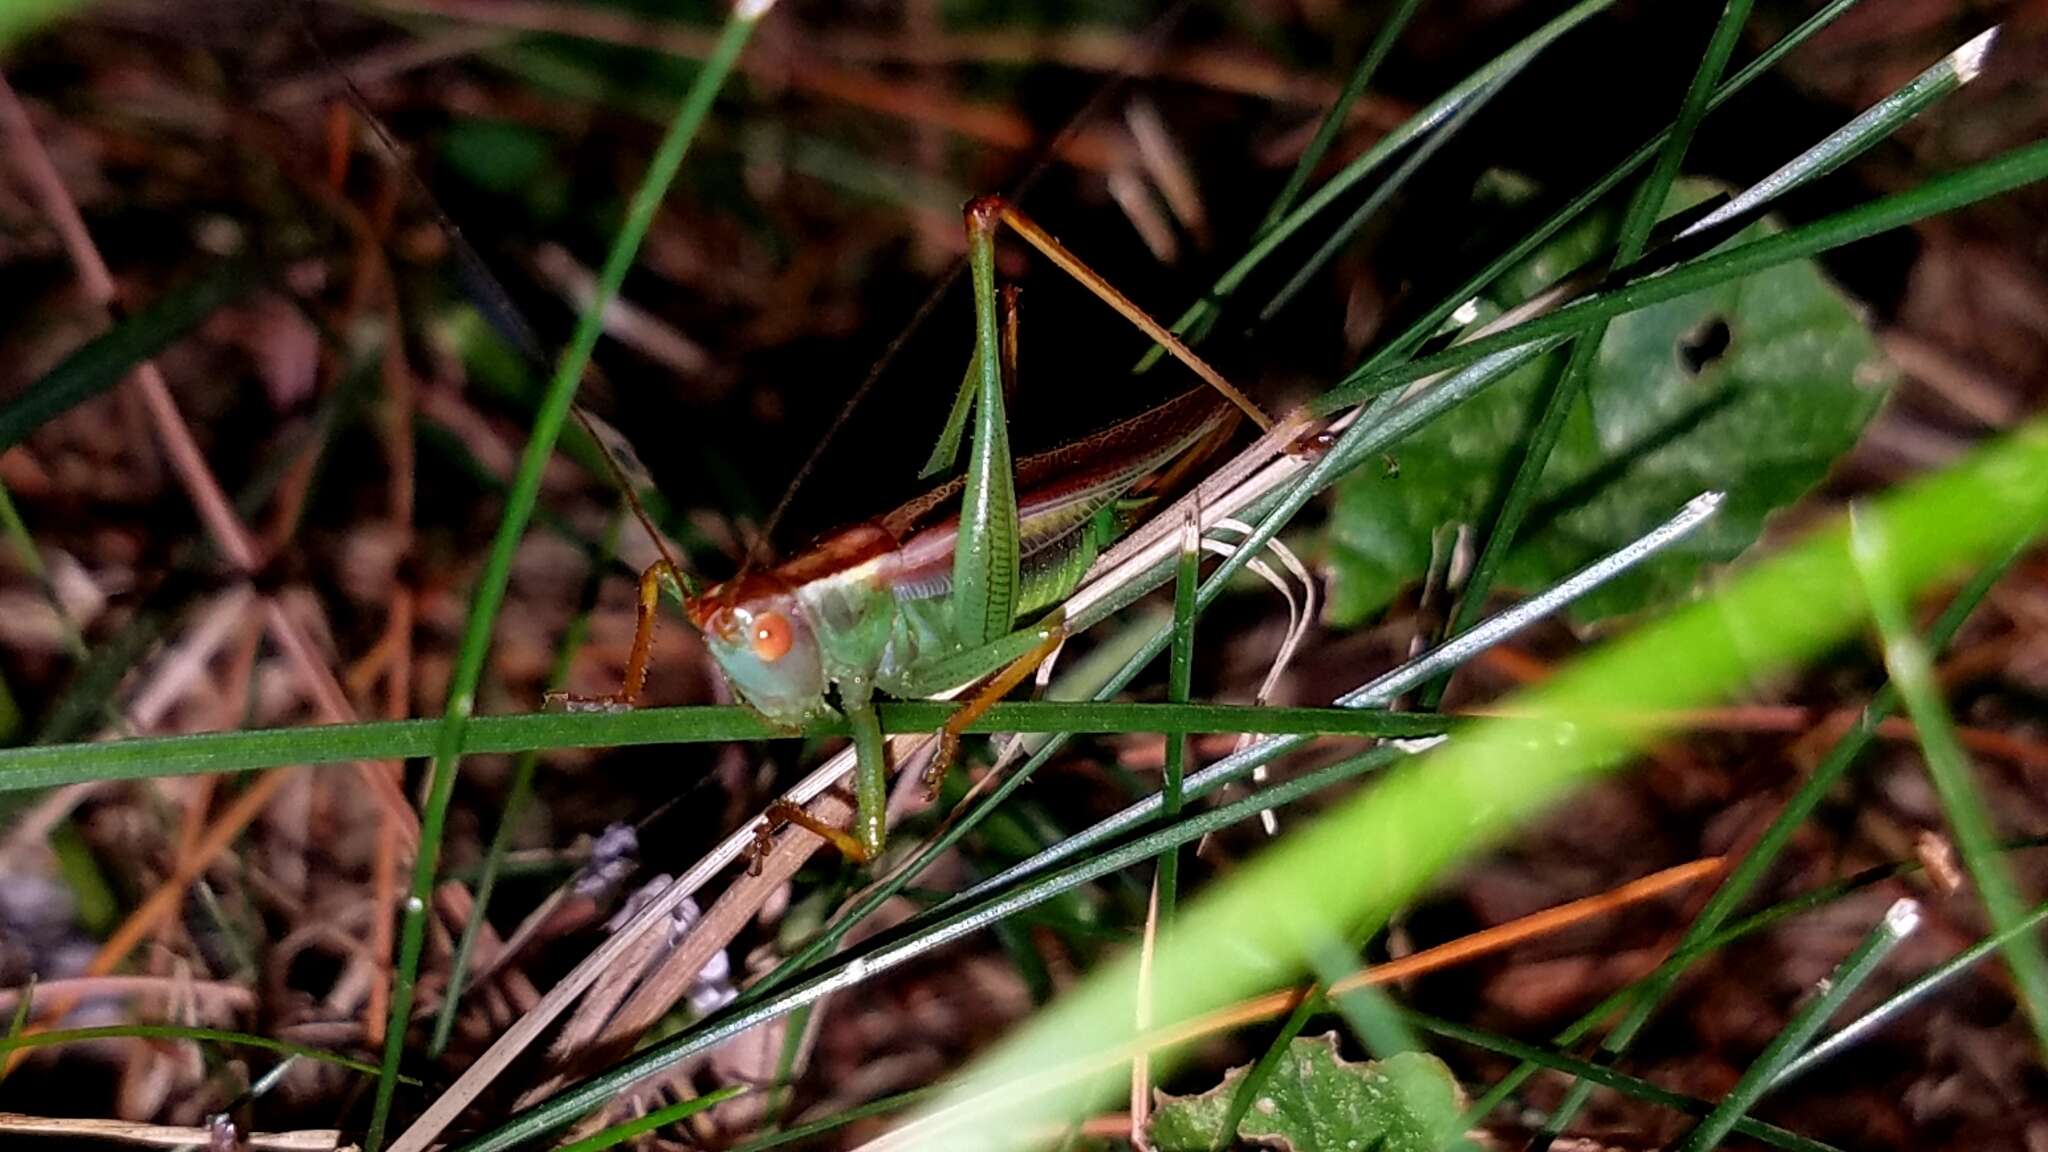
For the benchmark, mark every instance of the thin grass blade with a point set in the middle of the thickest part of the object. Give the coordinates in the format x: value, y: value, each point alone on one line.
x: 1898, y: 923
x: 181, y: 1032
x: 1962, y: 802
x: 657, y: 1119
x: 1480, y: 786
x: 2004, y: 173
x: 242, y: 751
x: 1381, y: 193
x: 517, y: 794
x: 1643, y: 1000
x: 1909, y: 997
x: 1606, y: 1077
x: 1333, y: 121
x: 1565, y: 390
x: 490, y: 591
x: 1194, y: 322
x: 1947, y: 76
x: 104, y: 360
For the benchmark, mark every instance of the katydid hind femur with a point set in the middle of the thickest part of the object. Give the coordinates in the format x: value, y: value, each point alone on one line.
x: 959, y: 584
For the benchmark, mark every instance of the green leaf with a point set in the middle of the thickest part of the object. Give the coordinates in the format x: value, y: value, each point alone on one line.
x: 103, y: 361
x: 1318, y: 1101
x: 509, y: 159
x: 1753, y: 387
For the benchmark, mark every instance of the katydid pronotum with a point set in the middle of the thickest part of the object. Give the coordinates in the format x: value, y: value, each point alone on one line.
x: 927, y: 597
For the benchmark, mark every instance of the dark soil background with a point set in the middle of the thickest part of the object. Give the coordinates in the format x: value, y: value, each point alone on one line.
x: 805, y: 233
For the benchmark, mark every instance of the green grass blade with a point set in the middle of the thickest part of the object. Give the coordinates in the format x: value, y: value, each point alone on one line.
x: 516, y: 796
x: 519, y: 504
x: 31, y: 557
x: 836, y: 1121
x: 180, y: 1032
x: 852, y: 970
x: 244, y: 751
x: 1384, y: 191
x: 1910, y: 996
x: 659, y: 1118
x: 1333, y: 121
x: 1644, y: 206
x: 1481, y: 785
x: 1607, y: 1077
x: 1851, y: 140
x: 106, y: 359
x: 1419, y: 330
x: 1179, y: 683
x: 1644, y: 998
x: 1200, y: 318
x: 1968, y: 813
x: 19, y: 1020
x: 1805, y: 1024
x: 2011, y: 170
x: 1193, y: 322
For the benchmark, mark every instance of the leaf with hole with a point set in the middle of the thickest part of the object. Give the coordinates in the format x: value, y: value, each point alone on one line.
x: 1753, y: 387
x: 1317, y: 1101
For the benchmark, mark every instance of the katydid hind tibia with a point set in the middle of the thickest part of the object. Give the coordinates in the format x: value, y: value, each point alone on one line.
x: 948, y: 588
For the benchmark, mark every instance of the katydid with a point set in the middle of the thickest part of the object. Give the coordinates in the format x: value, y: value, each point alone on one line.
x: 934, y: 595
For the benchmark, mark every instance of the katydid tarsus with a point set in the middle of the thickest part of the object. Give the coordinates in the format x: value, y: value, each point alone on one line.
x: 959, y: 585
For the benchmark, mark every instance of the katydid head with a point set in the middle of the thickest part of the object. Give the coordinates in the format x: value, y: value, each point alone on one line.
x: 758, y: 633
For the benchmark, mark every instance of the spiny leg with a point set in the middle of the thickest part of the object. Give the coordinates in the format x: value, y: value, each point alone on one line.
x: 637, y: 658
x: 870, y: 797
x: 986, y: 697
x: 996, y: 208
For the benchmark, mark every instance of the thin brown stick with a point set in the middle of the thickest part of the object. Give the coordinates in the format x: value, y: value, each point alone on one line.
x: 32, y: 161
x: 168, y: 1136
x: 231, y: 537
x: 217, y: 994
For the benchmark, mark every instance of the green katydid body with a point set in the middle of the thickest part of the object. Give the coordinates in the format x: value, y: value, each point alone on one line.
x: 872, y: 606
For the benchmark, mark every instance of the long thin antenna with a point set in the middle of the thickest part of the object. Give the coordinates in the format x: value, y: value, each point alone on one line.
x: 1148, y: 45
x: 485, y: 288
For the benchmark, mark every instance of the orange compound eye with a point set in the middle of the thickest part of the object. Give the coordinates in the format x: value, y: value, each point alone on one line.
x: 771, y: 636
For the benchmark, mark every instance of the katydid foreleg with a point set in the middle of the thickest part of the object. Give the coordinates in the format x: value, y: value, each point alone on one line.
x: 652, y: 578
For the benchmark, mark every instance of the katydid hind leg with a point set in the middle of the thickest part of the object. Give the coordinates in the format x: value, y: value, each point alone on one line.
x: 1045, y: 640
x: 986, y: 553
x: 995, y: 208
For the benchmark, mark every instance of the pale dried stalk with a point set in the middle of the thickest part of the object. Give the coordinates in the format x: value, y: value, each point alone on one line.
x: 169, y: 1136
